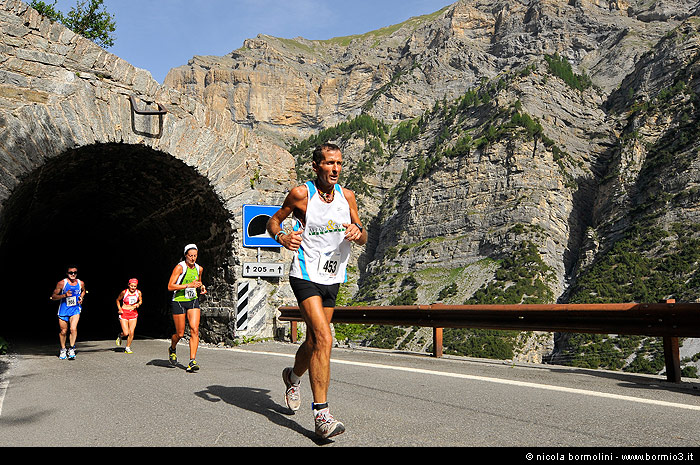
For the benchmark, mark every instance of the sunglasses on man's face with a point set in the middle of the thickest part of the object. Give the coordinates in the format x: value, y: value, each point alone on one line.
x: 72, y: 272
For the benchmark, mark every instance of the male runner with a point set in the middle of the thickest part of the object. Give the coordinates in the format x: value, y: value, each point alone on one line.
x: 327, y: 222
x: 70, y: 291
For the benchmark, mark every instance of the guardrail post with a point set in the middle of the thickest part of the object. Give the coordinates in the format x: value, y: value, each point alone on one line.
x: 672, y: 356
x: 437, y: 342
x: 294, y: 331
x: 672, y: 359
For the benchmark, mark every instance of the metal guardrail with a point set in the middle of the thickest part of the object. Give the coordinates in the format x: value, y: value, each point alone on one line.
x: 668, y: 319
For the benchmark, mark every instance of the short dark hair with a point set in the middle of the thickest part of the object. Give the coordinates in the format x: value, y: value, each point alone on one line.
x: 318, y: 151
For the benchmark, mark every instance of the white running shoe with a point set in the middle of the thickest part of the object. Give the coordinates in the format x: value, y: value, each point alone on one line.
x: 71, y: 354
x: 62, y: 355
x: 292, y: 396
x: 326, y: 425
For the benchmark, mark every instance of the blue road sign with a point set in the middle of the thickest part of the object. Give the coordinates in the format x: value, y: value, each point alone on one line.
x: 254, y: 226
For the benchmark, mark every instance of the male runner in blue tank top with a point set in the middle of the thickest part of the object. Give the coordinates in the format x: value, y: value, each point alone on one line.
x: 70, y: 291
x: 327, y: 221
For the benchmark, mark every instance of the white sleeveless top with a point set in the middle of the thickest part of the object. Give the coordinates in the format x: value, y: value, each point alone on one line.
x: 324, y: 252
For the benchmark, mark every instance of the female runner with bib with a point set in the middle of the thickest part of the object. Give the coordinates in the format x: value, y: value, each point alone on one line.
x: 128, y: 303
x: 185, y: 280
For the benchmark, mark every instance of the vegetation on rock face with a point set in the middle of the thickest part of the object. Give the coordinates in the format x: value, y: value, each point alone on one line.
x: 521, y: 279
x: 481, y: 343
x: 372, y: 131
x: 561, y: 68
x: 645, y: 266
x: 649, y: 263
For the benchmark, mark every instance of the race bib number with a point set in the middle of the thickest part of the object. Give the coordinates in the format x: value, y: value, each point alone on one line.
x: 71, y: 301
x: 190, y: 293
x: 131, y: 299
x: 328, y: 265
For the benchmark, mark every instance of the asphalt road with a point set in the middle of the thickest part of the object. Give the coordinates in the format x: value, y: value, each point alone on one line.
x: 108, y: 398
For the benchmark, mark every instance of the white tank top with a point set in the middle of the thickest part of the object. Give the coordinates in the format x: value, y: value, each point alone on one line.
x: 324, y: 252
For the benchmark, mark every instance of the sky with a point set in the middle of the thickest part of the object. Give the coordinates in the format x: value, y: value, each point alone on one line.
x: 158, y: 35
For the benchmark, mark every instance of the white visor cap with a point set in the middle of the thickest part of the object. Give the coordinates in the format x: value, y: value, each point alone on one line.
x: 190, y: 246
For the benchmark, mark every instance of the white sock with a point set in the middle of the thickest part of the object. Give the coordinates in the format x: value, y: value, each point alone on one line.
x: 294, y: 379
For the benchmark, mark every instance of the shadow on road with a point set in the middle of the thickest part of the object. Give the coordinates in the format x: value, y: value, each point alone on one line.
x: 639, y: 380
x: 51, y: 349
x: 165, y: 364
x: 258, y: 401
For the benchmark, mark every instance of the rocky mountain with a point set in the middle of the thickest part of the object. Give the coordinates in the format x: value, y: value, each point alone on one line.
x: 502, y: 151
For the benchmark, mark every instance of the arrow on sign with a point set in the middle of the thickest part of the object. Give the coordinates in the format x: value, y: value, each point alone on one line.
x: 259, y: 269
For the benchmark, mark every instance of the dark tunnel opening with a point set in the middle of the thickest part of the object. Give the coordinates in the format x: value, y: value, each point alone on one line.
x: 117, y: 212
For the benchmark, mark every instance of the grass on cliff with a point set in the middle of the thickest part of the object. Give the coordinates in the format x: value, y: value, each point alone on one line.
x: 381, y: 33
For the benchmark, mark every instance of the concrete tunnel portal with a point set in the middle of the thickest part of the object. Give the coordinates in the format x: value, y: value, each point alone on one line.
x: 115, y: 211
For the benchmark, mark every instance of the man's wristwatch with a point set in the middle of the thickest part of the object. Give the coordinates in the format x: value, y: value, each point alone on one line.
x: 359, y: 226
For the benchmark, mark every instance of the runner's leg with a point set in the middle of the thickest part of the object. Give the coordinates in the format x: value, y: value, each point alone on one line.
x: 62, y: 332
x: 125, y: 327
x: 73, y: 329
x: 179, y: 333
x: 193, y: 315
x: 131, y: 328
x: 315, y: 352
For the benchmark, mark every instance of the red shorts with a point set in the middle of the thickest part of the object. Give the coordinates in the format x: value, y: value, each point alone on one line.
x: 128, y: 315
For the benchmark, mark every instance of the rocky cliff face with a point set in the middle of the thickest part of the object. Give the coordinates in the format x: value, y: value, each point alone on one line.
x: 502, y: 151
x: 399, y: 71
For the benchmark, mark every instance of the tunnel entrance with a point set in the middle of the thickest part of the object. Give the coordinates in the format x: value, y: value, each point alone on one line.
x: 115, y: 211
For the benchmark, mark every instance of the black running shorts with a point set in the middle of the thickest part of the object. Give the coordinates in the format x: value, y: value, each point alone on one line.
x: 180, y: 308
x: 304, y: 289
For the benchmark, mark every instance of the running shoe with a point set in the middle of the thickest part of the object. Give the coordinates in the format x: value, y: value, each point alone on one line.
x: 71, y: 353
x: 326, y: 425
x: 119, y: 339
x: 292, y: 395
x: 62, y: 355
x: 192, y: 367
x: 128, y: 350
x: 172, y: 355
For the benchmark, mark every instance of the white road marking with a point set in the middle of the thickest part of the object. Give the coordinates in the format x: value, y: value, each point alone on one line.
x: 3, y: 390
x: 547, y: 387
